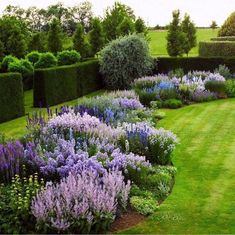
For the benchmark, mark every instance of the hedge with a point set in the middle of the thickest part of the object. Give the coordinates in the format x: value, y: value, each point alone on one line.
x: 166, y: 64
x: 219, y: 48
x: 11, y: 96
x: 59, y: 84
x: 227, y: 38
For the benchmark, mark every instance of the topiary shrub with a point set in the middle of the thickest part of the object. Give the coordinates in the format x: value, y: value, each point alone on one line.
x: 21, y: 66
x: 46, y: 60
x: 33, y: 56
x: 124, y: 60
x: 68, y: 57
x: 228, y: 28
x: 219, y: 48
x: 6, y: 61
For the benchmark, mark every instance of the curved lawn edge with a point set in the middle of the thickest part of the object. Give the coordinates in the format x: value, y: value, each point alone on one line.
x: 203, y: 199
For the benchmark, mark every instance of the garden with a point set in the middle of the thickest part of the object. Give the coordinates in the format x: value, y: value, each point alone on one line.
x: 98, y: 136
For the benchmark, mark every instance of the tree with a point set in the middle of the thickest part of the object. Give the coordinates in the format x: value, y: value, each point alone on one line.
x: 189, y: 30
x: 114, y: 17
x: 80, y: 43
x: 37, y: 42
x: 2, y: 49
x: 213, y: 25
x: 55, y: 36
x: 228, y: 28
x: 126, y: 27
x: 13, y: 36
x: 175, y: 36
x: 140, y: 26
x: 97, y: 38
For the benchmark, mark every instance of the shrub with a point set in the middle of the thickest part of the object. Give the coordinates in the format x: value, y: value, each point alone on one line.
x: 228, y: 28
x: 6, y: 61
x: 146, y: 96
x: 21, y: 66
x: 210, y: 49
x: 230, y: 88
x: 145, y: 206
x: 11, y: 96
x: 224, y: 71
x: 217, y: 87
x: 226, y: 38
x: 33, y: 57
x: 68, y: 57
x: 123, y: 60
x: 46, y: 60
x: 203, y: 96
x: 179, y: 72
x: 172, y: 104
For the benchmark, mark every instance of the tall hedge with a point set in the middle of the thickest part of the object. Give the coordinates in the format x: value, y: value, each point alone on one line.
x: 59, y: 84
x: 11, y: 96
x: 219, y: 48
x: 165, y: 64
x: 226, y: 38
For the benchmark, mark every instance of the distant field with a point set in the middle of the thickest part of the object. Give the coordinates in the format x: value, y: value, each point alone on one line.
x: 158, y: 41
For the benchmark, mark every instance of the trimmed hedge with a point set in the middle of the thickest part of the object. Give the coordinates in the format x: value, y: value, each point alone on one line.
x: 228, y: 38
x: 59, y: 84
x: 11, y: 96
x: 219, y: 48
x: 166, y: 64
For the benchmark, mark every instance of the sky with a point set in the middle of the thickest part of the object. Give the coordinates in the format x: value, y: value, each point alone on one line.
x: 154, y: 12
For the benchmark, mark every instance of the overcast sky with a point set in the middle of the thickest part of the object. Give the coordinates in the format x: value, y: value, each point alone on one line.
x: 153, y: 12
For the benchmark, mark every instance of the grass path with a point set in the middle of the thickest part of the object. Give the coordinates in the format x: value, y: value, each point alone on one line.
x: 203, y: 198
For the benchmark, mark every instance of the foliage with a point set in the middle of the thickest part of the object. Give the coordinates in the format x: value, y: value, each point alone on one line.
x: 6, y: 61
x: 2, y: 50
x: 217, y: 48
x: 33, y: 57
x: 224, y: 71
x: 217, y: 87
x: 189, y: 29
x: 126, y: 27
x: 175, y: 37
x: 97, y: 36
x: 68, y: 57
x: 114, y: 17
x: 145, y: 206
x: 179, y: 72
x: 15, y: 213
x: 80, y: 43
x: 123, y: 60
x: 22, y: 66
x: 11, y: 96
x: 54, y: 41
x: 172, y: 103
x: 46, y: 60
x: 140, y: 26
x: 203, y: 96
x: 230, y: 87
x: 228, y: 28
x: 37, y: 42
x: 213, y: 24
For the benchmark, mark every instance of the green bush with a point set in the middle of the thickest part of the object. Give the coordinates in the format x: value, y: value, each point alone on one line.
x: 21, y: 66
x: 68, y: 57
x: 166, y: 64
x: 6, y: 61
x: 11, y: 96
x: 146, y: 97
x: 123, y: 60
x: 166, y: 94
x: 230, y: 88
x: 219, y: 48
x: 228, y: 38
x: 59, y: 84
x: 224, y: 71
x: 145, y: 206
x: 228, y: 28
x: 33, y: 56
x: 216, y: 86
x: 172, y: 104
x: 46, y: 60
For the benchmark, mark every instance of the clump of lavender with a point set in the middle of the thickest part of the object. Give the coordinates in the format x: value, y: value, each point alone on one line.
x: 126, y: 103
x: 203, y: 96
x: 81, y: 202
x: 11, y: 155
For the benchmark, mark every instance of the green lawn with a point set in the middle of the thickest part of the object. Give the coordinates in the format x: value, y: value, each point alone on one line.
x: 16, y: 128
x: 203, y: 198
x: 158, y: 41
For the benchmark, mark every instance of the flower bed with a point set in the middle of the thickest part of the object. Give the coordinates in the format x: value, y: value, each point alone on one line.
x: 77, y: 170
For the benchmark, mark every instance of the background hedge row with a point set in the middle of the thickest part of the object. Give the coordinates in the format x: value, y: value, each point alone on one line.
x: 217, y: 48
x: 11, y: 96
x: 228, y: 38
x: 59, y: 84
x: 166, y: 64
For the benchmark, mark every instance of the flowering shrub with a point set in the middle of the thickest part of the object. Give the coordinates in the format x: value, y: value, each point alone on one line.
x: 11, y: 155
x: 81, y: 203
x: 203, y: 96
